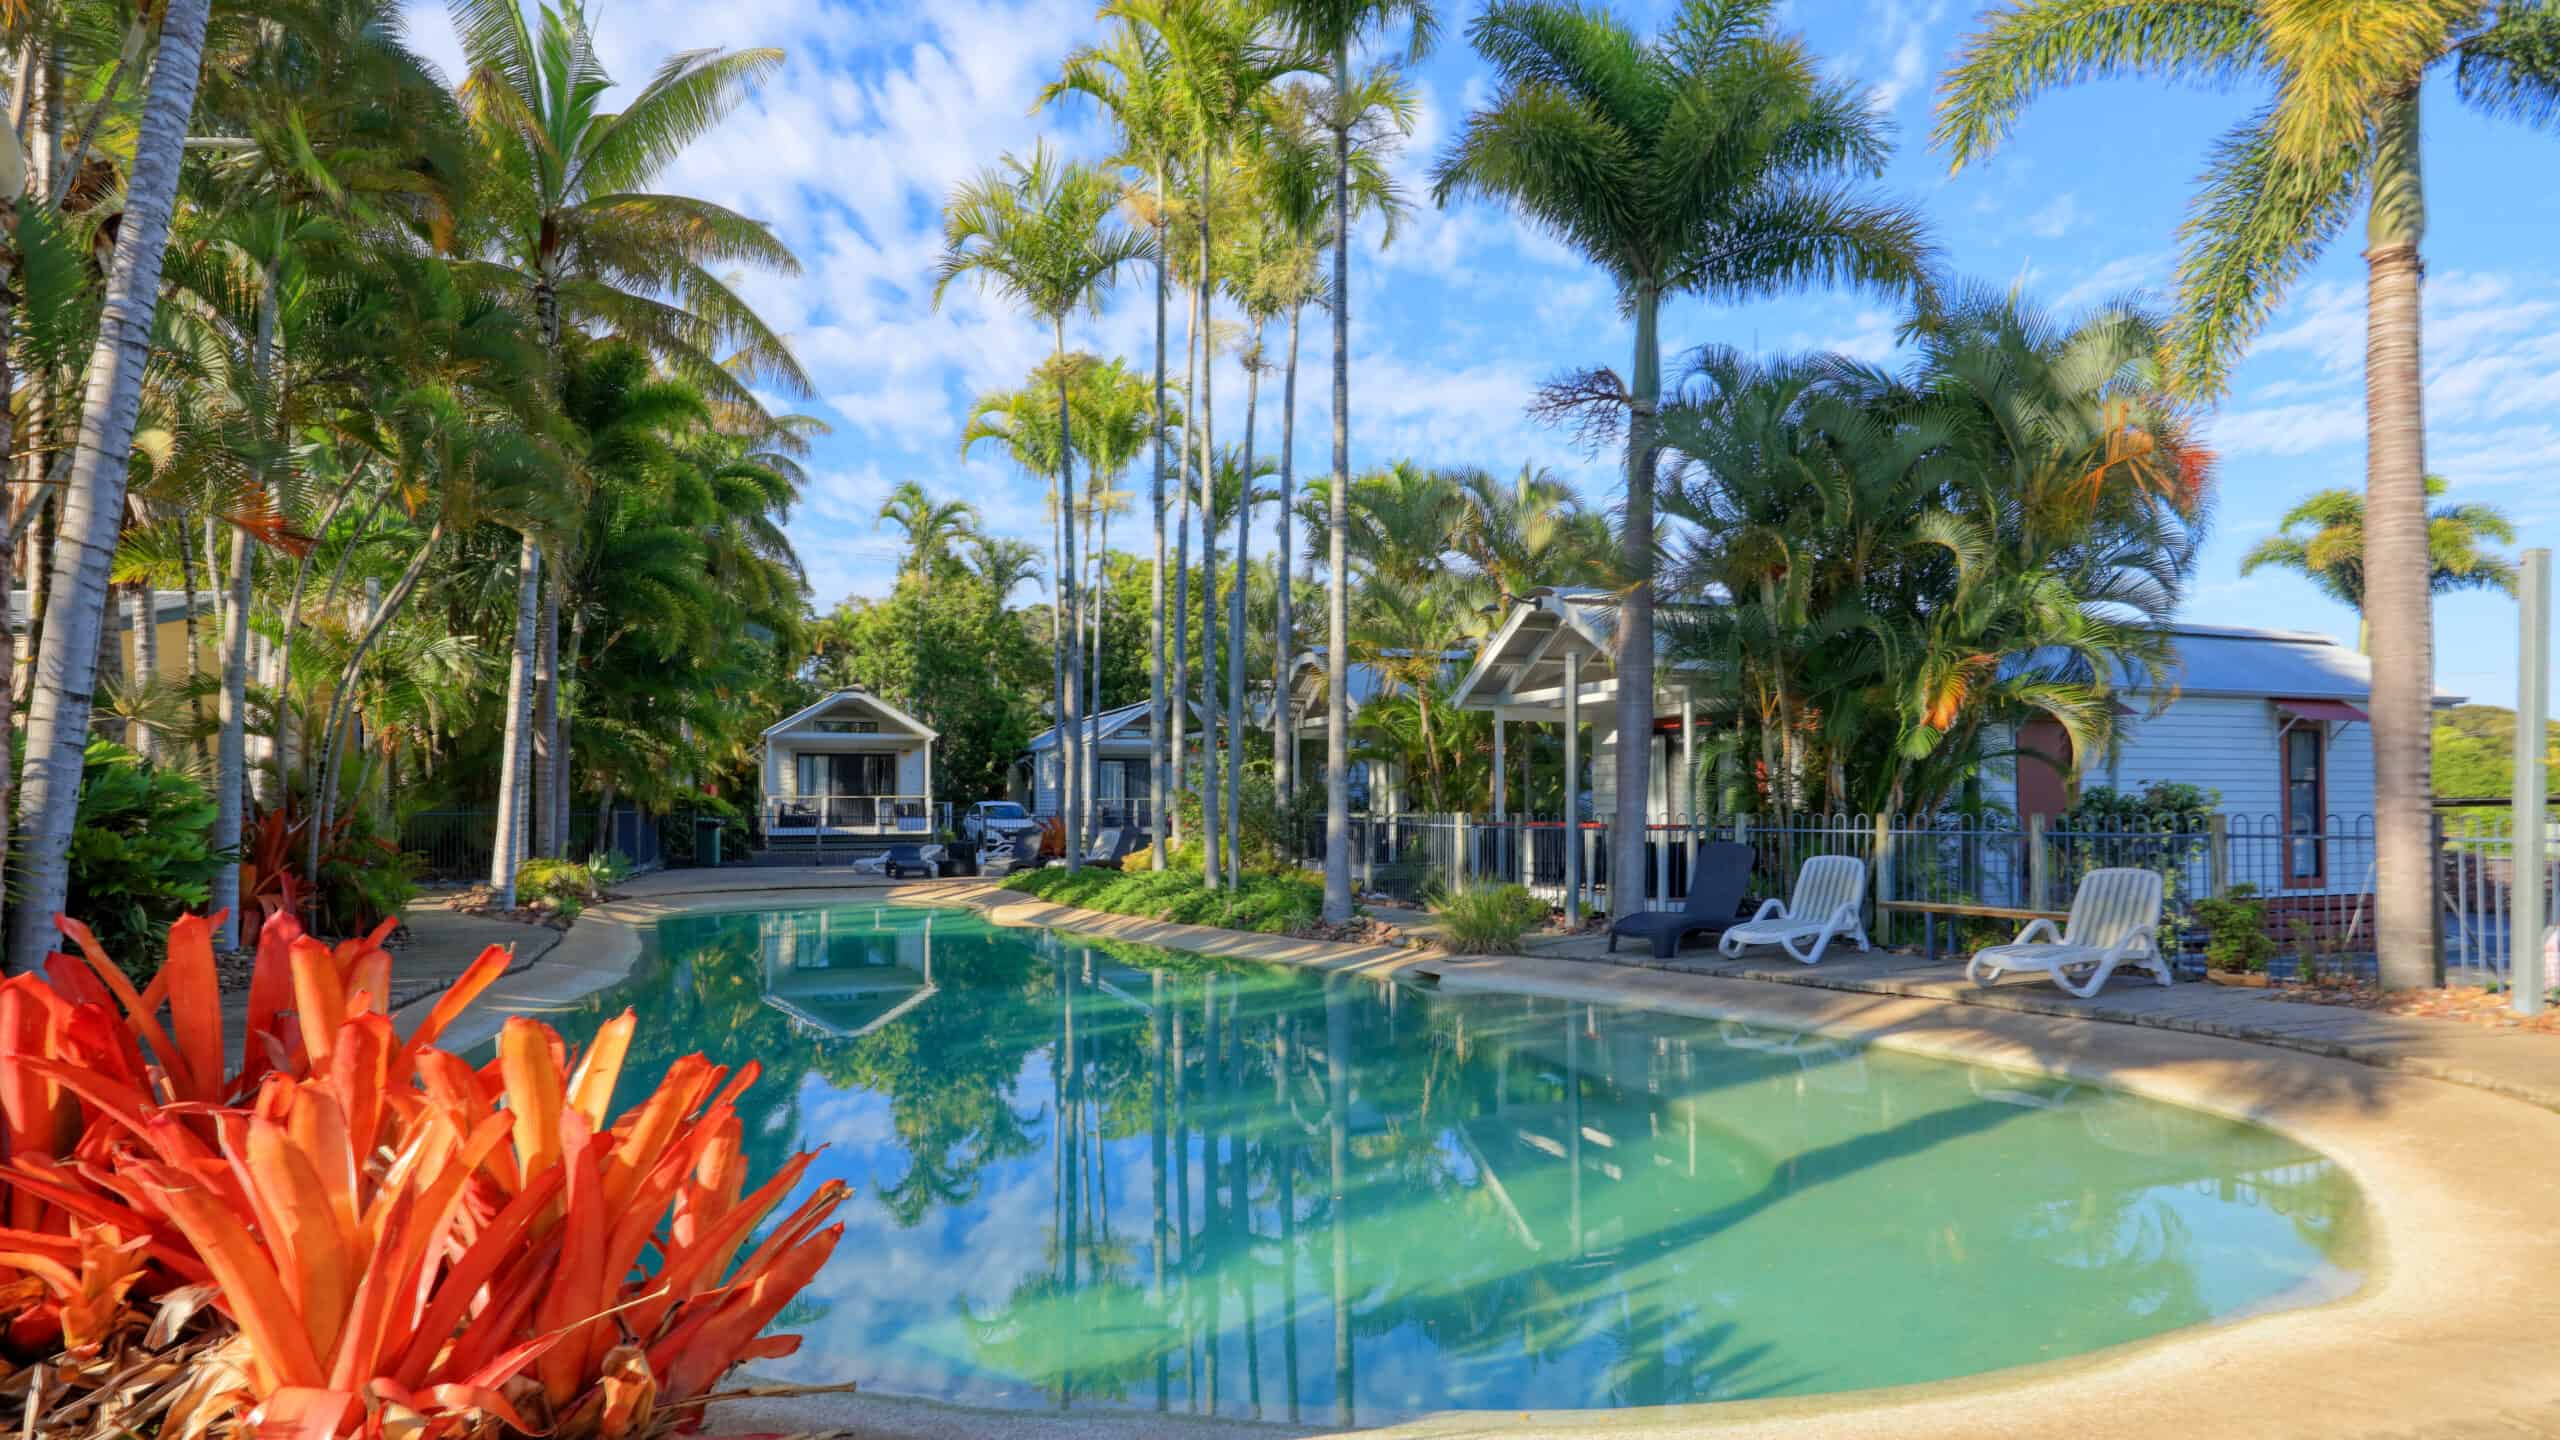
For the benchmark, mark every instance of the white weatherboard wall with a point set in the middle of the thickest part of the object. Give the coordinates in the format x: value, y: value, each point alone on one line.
x: 2228, y: 744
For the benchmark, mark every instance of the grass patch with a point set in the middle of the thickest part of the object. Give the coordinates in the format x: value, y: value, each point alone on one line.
x: 1267, y: 904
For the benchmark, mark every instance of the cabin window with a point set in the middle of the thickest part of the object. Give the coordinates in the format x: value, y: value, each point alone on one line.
x: 847, y: 727
x: 848, y: 775
x: 2306, y: 763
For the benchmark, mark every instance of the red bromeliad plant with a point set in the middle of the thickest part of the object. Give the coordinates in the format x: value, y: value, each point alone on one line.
x: 408, y: 1244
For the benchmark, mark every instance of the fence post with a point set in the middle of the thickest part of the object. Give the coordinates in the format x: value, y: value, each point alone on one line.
x: 2532, y: 784
x: 1884, y: 874
x: 2435, y: 866
x: 2218, y: 854
x: 2039, y: 864
x: 1461, y: 848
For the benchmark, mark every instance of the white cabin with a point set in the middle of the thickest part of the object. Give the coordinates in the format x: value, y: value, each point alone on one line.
x: 850, y: 764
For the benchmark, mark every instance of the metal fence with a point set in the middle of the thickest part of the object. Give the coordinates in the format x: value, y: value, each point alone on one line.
x: 453, y: 845
x: 1954, y: 881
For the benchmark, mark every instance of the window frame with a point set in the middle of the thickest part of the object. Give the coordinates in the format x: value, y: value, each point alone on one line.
x: 2316, y: 838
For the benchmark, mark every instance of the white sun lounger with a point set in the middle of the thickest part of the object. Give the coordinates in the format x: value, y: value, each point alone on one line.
x: 1830, y: 889
x: 2115, y: 920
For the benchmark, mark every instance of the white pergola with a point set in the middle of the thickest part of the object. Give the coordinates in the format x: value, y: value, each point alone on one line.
x: 1549, y: 660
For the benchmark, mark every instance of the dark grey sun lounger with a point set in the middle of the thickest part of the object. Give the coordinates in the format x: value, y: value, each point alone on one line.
x: 1716, y: 884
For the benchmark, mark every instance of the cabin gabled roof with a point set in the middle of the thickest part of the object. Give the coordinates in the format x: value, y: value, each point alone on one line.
x: 833, y: 698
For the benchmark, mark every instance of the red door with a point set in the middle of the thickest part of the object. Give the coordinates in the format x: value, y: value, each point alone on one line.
x: 2043, y: 786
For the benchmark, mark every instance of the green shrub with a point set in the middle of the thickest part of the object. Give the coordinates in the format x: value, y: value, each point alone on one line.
x: 1488, y: 919
x: 1271, y: 904
x: 2236, y: 938
x: 557, y: 882
x: 609, y: 869
x: 141, y: 852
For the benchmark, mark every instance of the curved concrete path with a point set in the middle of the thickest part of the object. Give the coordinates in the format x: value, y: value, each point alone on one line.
x: 2452, y: 1336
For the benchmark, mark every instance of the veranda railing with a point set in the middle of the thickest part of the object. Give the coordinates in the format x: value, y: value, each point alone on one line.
x: 2315, y: 885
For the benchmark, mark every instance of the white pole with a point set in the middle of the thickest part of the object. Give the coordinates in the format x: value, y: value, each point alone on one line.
x: 1572, y: 790
x: 2533, y: 783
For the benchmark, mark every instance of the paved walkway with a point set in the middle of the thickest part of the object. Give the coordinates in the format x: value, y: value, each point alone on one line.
x: 2518, y: 1063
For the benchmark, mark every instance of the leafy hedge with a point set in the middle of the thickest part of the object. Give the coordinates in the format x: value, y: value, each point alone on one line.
x: 1271, y: 904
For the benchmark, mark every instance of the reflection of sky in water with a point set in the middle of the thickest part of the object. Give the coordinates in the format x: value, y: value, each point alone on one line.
x: 1755, y: 1213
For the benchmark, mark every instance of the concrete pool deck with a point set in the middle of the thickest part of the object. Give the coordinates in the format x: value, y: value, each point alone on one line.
x: 2452, y: 1335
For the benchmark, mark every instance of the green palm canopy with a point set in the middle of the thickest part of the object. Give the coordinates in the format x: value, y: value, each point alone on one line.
x: 1713, y: 159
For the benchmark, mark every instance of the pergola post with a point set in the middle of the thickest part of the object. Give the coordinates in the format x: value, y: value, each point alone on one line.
x: 1689, y: 770
x: 1572, y: 785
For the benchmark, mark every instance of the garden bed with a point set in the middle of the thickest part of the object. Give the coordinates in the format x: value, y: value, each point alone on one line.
x: 1265, y: 904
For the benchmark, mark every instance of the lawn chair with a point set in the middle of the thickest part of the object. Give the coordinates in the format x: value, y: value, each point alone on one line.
x: 1716, y: 884
x: 1830, y: 892
x: 1110, y: 846
x: 2115, y: 920
x: 900, y: 861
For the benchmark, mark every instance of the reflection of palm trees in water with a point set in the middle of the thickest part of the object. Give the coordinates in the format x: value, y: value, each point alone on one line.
x: 1368, y: 1186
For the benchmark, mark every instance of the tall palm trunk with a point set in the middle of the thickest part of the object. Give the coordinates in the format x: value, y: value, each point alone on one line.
x: 1235, y: 626
x: 2396, y: 566
x: 505, y: 850
x: 1284, y: 737
x: 1337, y: 612
x: 562, y: 776
x: 1159, y: 793
x: 93, y: 502
x: 146, y: 663
x: 231, y: 708
x: 195, y: 641
x: 1632, y: 644
x: 1209, y: 873
x: 1072, y: 736
x: 546, y: 715
x: 1182, y: 569
x: 1089, y: 631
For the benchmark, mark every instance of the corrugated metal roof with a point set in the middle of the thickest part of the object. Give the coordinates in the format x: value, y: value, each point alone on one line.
x: 2226, y: 660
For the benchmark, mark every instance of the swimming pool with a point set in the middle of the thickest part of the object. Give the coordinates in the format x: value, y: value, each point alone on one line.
x: 1091, y: 1174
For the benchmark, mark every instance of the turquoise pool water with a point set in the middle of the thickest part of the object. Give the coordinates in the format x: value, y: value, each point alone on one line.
x: 1089, y: 1174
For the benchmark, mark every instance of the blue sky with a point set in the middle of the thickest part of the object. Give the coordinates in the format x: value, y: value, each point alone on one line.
x: 882, y: 109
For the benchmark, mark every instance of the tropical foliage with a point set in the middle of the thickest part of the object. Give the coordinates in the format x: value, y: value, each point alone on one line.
x: 1904, y: 569
x: 448, y: 480
x: 487, y: 1276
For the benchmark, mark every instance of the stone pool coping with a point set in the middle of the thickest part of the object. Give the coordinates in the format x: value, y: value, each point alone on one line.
x: 2450, y: 1337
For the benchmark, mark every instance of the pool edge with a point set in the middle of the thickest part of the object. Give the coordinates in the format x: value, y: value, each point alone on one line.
x: 2445, y: 1337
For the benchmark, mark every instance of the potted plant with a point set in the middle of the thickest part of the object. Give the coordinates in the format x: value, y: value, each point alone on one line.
x: 2237, y: 944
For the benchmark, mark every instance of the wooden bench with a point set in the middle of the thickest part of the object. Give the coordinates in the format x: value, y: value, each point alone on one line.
x: 1930, y: 910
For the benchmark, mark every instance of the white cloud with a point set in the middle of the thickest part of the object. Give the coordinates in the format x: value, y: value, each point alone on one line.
x: 2123, y: 275
x: 2058, y: 218
x: 2285, y: 429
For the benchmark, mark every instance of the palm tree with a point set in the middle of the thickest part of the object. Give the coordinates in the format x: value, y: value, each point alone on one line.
x: 1905, y: 566
x: 1220, y: 67
x: 2342, y: 126
x: 2322, y: 539
x: 1130, y: 79
x: 931, y: 527
x: 1288, y: 173
x: 1329, y: 28
x: 1529, y: 533
x: 1043, y: 234
x: 1115, y: 414
x: 92, y: 505
x: 1002, y: 563
x: 577, y: 232
x: 1711, y: 160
